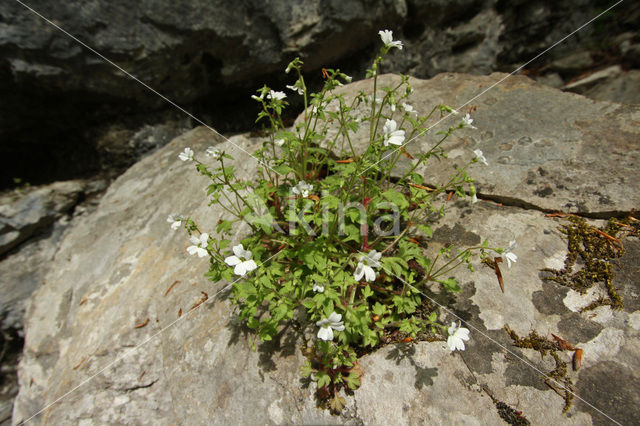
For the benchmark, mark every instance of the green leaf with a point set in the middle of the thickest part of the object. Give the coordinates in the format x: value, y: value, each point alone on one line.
x: 367, y: 292
x: 396, y: 198
x: 353, y: 380
x: 451, y: 284
x: 426, y: 229
x: 306, y: 369
x: 323, y: 379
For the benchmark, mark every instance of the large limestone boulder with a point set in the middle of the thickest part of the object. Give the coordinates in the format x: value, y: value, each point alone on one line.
x: 111, y: 337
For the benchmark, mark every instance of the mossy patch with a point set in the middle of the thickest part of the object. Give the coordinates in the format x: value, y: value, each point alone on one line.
x: 545, y: 347
x: 592, y: 252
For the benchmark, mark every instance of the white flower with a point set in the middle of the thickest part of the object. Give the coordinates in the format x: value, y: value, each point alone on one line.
x: 366, y: 265
x: 456, y: 336
x: 454, y: 112
x: 199, y: 246
x: 185, y: 155
x: 302, y: 188
x: 393, y: 107
x: 409, y: 108
x: 328, y: 325
x: 279, y: 142
x: 276, y: 95
x: 318, y: 288
x: 387, y: 39
x: 467, y: 120
x: 508, y: 256
x: 213, y: 153
x: 348, y: 79
x: 296, y: 89
x: 175, y: 220
x: 480, y: 157
x: 474, y: 198
x: 241, y: 266
x: 391, y: 135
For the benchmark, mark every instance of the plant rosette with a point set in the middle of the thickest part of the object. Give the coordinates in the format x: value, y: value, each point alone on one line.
x: 338, y: 223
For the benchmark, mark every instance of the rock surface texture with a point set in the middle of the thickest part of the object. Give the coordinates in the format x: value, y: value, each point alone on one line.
x: 122, y: 278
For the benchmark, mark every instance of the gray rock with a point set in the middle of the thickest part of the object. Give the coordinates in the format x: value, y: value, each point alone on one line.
x: 82, y: 363
x: 623, y: 88
x: 24, y: 271
x: 182, y: 48
x: 28, y: 211
x: 551, y: 79
x: 572, y: 63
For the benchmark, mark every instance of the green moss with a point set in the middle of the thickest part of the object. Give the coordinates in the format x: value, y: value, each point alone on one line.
x: 559, y: 374
x: 591, y: 251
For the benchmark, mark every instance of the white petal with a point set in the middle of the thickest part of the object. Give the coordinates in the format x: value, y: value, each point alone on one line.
x: 359, y: 273
x: 192, y: 250
x: 338, y: 327
x: 232, y: 261
x: 325, y: 333
x: 452, y: 328
x: 462, y: 333
x: 238, y: 250
x: 451, y: 343
x: 335, y: 317
x: 194, y: 240
x: 204, y: 238
x: 322, y: 322
x: 369, y: 273
x: 201, y: 252
x: 250, y: 265
x: 240, y: 269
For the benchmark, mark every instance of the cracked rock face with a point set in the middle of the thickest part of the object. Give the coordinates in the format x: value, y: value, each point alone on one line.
x: 121, y: 276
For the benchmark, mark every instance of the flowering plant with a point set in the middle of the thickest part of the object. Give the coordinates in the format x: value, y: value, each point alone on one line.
x: 337, y: 242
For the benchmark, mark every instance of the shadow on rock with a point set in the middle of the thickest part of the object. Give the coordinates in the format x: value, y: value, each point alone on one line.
x: 407, y: 351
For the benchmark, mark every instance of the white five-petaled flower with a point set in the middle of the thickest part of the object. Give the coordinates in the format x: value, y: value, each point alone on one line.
x: 480, y: 157
x: 241, y: 266
x: 276, y: 95
x: 366, y: 265
x: 175, y: 220
x: 213, y: 153
x: 467, y: 120
x: 387, y: 39
x: 327, y: 325
x: 302, y: 188
x: 456, y: 338
x: 296, y: 89
x: 391, y: 135
x: 318, y: 288
x: 199, y: 246
x: 508, y: 256
x: 409, y: 108
x: 185, y: 155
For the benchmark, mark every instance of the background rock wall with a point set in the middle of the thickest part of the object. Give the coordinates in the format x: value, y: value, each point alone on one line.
x: 60, y: 105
